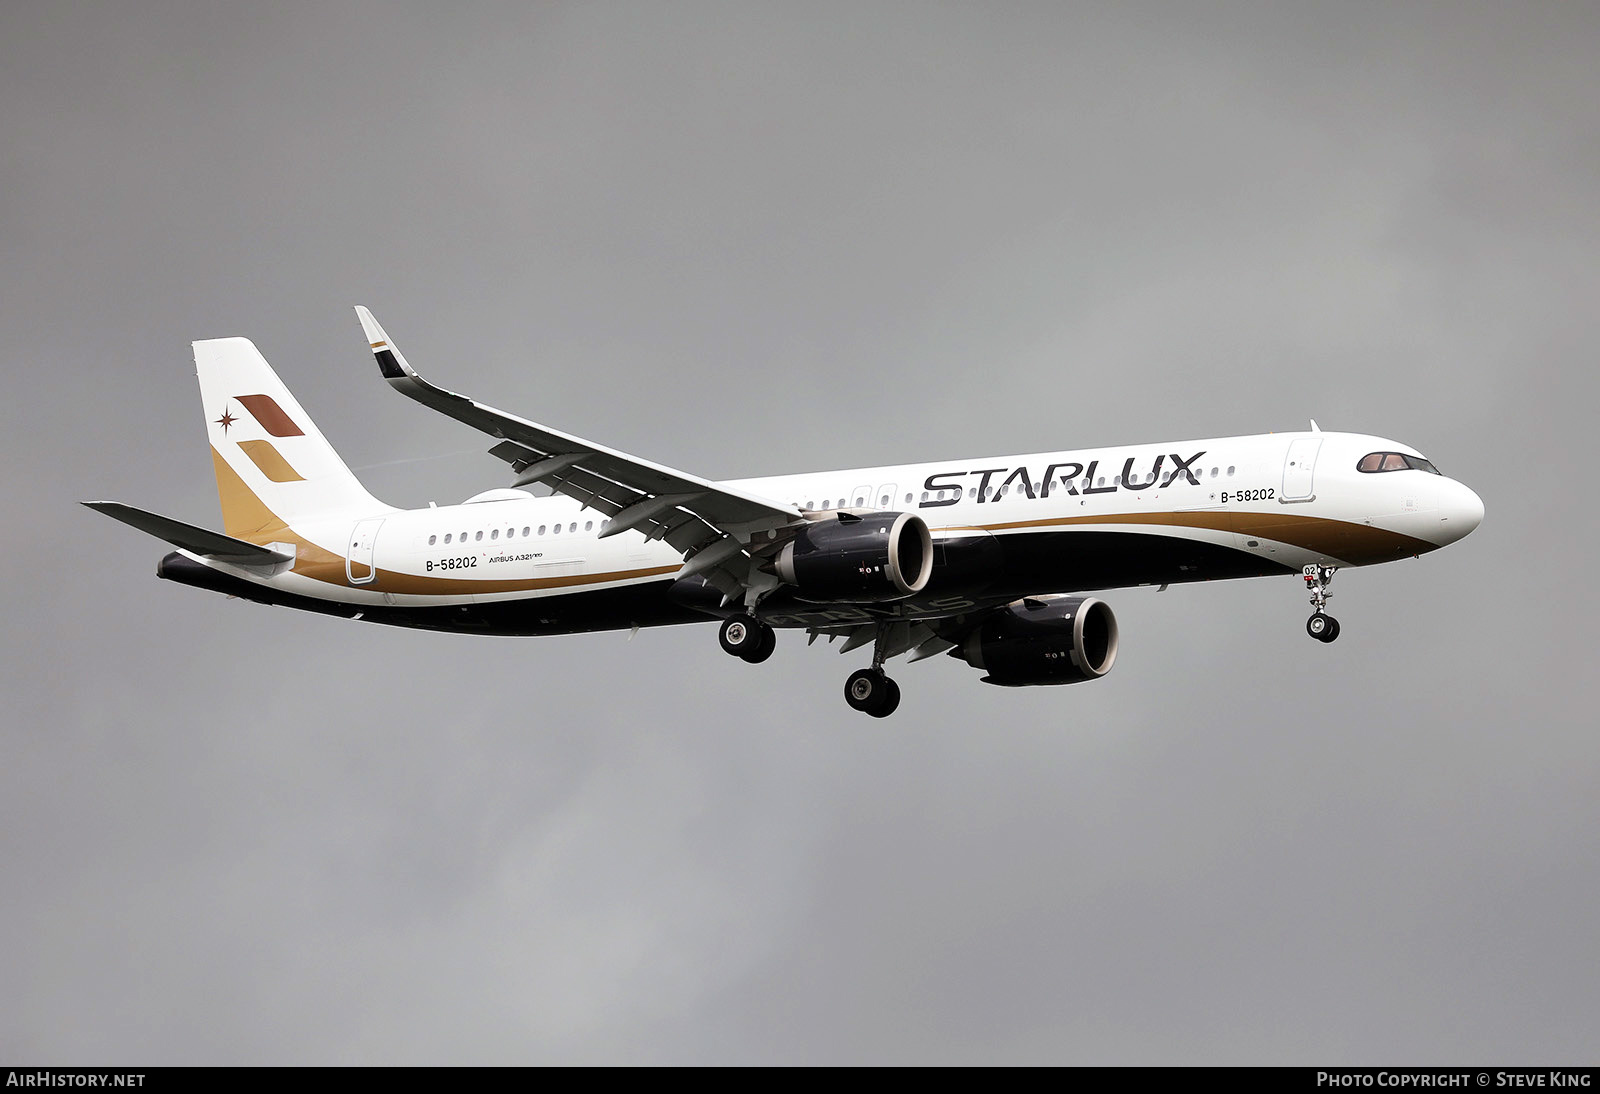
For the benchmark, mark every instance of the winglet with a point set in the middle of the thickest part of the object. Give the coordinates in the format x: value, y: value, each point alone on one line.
x: 401, y: 376
x: 1315, y: 428
x: 391, y: 362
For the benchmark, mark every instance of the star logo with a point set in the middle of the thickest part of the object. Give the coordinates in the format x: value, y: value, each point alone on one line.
x: 226, y: 420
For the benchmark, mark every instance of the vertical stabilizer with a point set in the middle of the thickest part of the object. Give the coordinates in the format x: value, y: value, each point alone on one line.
x: 273, y: 465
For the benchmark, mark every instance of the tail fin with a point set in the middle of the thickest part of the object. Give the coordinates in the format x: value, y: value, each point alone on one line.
x: 273, y: 465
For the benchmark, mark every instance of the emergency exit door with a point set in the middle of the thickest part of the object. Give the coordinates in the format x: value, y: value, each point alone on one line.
x: 358, y: 566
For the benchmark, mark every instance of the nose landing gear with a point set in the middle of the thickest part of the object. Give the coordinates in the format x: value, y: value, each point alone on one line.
x: 1321, y: 626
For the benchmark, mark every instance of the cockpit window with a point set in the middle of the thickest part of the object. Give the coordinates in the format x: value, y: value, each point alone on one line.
x: 1373, y: 462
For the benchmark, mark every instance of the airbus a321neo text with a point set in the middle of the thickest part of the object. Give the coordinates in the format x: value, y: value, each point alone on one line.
x: 990, y: 560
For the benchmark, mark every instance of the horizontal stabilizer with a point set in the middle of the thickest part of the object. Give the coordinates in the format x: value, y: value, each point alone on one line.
x: 198, y: 541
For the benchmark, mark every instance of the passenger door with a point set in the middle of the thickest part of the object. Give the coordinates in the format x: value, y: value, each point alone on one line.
x: 1299, y: 466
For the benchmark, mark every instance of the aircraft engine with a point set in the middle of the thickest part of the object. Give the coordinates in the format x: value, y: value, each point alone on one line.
x: 859, y: 557
x: 1040, y: 640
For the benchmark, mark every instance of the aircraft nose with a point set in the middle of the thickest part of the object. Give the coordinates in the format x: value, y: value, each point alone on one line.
x: 1460, y: 511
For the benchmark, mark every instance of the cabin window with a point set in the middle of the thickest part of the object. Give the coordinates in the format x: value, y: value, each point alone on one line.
x: 1230, y: 472
x: 573, y: 527
x: 525, y: 530
x: 588, y: 526
x: 555, y: 529
x: 541, y: 529
x: 447, y: 537
x: 492, y: 535
x: 432, y: 540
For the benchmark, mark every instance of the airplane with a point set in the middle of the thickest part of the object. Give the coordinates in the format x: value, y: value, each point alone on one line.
x: 991, y: 561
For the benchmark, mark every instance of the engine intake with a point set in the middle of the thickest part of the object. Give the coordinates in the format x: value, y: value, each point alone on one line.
x: 1037, y: 641
x: 859, y: 557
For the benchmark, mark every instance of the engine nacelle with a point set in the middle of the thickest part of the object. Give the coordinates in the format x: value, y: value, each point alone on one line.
x: 1037, y: 641
x: 859, y: 557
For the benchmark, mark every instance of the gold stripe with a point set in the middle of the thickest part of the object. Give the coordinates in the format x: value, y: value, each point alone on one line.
x: 390, y: 581
x: 270, y: 461
x: 379, y: 345
x: 1356, y: 544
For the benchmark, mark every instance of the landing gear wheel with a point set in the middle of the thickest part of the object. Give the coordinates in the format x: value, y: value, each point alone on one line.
x: 871, y: 692
x: 742, y: 636
x: 891, y: 702
x: 1324, y: 628
x: 769, y: 642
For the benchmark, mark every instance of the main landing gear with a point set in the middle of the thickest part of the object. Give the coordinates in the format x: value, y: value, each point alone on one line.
x: 868, y: 690
x: 1321, y: 626
x: 872, y: 692
x: 747, y: 637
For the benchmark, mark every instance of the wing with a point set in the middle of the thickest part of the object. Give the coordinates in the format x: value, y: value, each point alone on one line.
x: 714, y: 526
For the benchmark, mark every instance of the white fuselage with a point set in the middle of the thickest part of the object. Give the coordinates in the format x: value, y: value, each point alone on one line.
x: 1285, y: 500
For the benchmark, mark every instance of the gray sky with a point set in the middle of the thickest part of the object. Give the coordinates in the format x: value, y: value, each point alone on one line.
x: 746, y: 239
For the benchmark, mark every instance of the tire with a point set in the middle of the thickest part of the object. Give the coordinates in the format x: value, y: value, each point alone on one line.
x: 868, y: 690
x: 1333, y: 630
x: 1319, y: 625
x: 740, y: 635
x: 891, y: 700
x: 768, y: 643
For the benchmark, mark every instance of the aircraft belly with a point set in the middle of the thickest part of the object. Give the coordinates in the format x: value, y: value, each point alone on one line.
x: 642, y: 604
x: 1084, y: 559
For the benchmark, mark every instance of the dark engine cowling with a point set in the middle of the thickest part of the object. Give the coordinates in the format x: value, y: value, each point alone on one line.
x: 1036, y: 641
x: 859, y: 557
